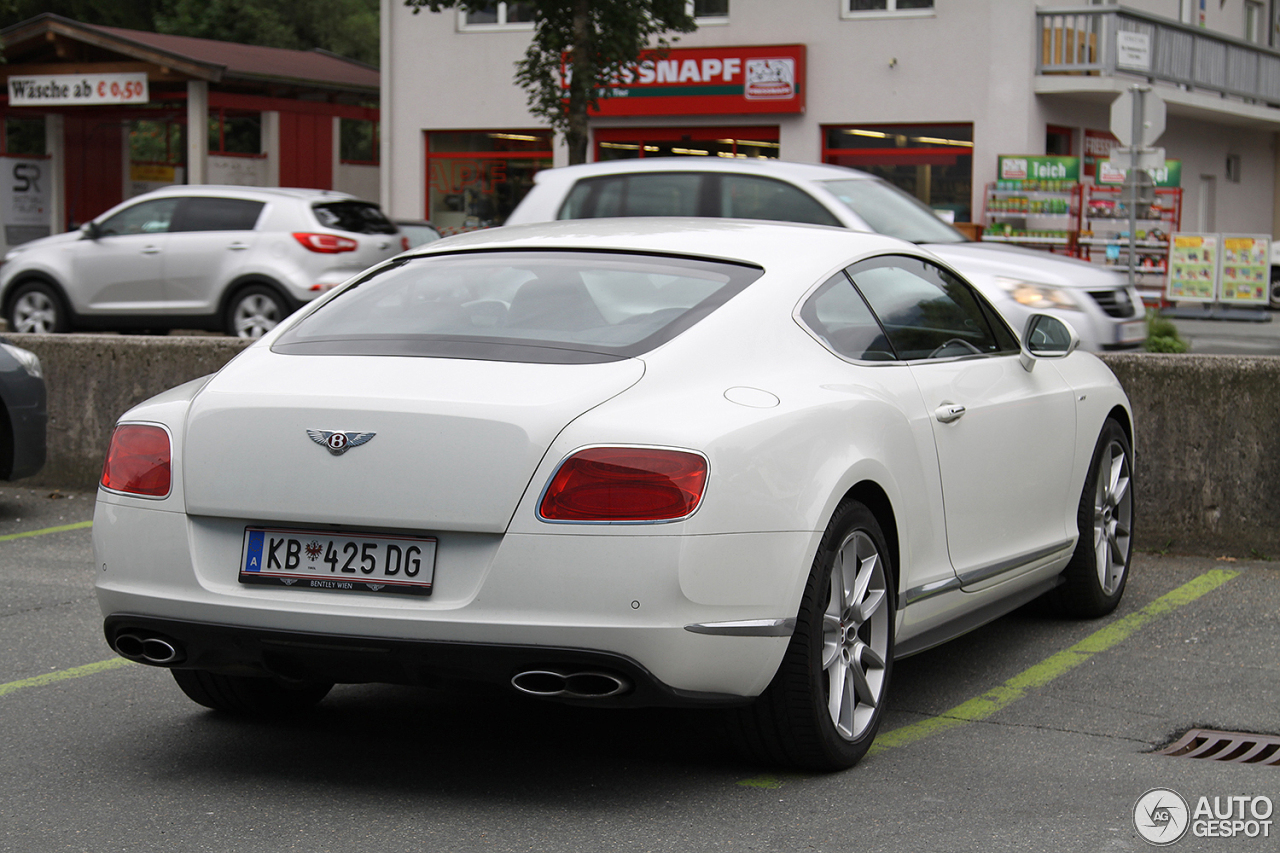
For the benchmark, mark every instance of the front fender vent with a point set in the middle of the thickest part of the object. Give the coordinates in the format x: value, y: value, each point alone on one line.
x: 1235, y: 747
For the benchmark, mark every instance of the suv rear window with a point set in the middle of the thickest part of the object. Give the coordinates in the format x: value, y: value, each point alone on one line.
x: 530, y: 306
x: 357, y: 217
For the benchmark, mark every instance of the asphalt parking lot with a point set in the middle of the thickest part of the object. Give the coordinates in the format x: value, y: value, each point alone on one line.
x: 1033, y: 733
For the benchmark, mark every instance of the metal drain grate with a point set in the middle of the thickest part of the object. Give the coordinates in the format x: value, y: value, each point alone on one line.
x: 1236, y: 747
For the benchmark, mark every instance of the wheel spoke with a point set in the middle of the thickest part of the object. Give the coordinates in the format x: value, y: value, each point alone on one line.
x: 837, y: 678
x: 862, y: 688
x: 870, y: 605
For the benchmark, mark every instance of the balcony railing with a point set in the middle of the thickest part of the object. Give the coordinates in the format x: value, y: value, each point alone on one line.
x: 1110, y: 40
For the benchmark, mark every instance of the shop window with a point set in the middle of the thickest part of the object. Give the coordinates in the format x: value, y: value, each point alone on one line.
x: 861, y: 8
x: 741, y: 142
x: 234, y: 132
x: 1057, y: 141
x: 515, y: 14
x: 156, y: 141
x: 933, y: 162
x: 476, y: 178
x: 24, y: 136
x: 358, y: 141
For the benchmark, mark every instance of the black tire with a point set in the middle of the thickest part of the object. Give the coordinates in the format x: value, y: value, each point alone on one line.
x: 240, y: 694
x: 1094, y: 580
x: 793, y: 722
x: 254, y: 310
x: 37, y: 307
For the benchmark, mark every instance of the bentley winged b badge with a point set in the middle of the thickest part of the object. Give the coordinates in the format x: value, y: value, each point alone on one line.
x: 339, y: 443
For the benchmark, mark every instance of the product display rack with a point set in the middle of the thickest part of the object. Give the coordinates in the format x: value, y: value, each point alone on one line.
x: 1041, y: 214
x: 1104, y: 230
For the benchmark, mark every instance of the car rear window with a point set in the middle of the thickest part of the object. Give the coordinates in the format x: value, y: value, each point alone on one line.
x: 357, y: 217
x: 543, y: 307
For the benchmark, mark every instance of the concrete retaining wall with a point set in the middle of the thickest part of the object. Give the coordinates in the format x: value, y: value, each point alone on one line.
x: 1208, y: 429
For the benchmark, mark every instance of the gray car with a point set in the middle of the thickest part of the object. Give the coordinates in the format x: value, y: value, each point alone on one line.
x: 232, y: 259
x: 1098, y: 303
x: 23, y: 413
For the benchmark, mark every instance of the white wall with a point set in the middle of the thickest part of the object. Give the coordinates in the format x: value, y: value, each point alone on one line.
x: 361, y: 181
x: 968, y: 61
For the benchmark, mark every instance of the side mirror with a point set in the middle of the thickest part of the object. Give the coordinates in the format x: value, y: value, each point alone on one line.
x: 1046, y: 336
x: 90, y: 230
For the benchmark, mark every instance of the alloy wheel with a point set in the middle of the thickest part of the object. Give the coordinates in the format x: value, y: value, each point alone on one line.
x: 855, y: 636
x: 35, y: 312
x: 255, y: 315
x: 1112, y: 517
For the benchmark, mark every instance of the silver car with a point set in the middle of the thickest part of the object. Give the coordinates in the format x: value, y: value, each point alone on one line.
x: 1098, y: 303
x: 232, y: 259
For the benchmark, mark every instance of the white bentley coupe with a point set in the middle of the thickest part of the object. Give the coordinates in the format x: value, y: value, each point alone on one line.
x: 699, y: 462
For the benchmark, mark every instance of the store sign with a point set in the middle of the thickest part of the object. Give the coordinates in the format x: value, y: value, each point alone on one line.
x: 24, y: 199
x: 1133, y: 51
x: 1170, y: 175
x: 1026, y: 168
x: 708, y: 81
x: 1098, y: 145
x: 46, y: 90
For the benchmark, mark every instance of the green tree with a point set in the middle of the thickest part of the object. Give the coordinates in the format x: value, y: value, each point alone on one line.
x: 345, y: 27
x: 596, y: 39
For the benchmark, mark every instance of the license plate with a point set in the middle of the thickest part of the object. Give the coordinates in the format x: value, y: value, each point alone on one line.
x: 309, y: 559
x: 1131, y: 331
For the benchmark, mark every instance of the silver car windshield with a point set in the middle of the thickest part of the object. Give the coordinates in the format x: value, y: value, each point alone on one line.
x: 548, y: 306
x: 888, y: 210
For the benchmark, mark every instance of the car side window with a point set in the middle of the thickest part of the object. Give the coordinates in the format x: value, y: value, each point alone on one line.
x: 750, y: 197
x: 839, y: 317
x: 218, y: 214
x: 927, y: 312
x: 147, y: 217
x: 649, y: 194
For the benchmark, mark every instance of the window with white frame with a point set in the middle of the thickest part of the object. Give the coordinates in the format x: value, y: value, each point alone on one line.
x: 708, y: 11
x: 506, y: 15
x: 1255, y: 26
x: 871, y: 8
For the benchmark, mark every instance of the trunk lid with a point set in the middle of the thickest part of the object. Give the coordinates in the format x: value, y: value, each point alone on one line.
x: 454, y: 443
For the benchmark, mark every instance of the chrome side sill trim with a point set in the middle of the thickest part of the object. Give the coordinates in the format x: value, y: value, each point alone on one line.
x: 929, y: 590
x: 746, y: 628
x: 987, y: 572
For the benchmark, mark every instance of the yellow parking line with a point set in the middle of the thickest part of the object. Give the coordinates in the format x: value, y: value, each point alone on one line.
x: 63, y: 675
x: 1047, y: 670
x: 59, y: 529
x: 982, y: 707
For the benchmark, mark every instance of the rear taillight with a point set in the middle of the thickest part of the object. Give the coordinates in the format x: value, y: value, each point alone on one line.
x: 138, y: 461
x: 404, y: 244
x: 326, y: 244
x: 625, y: 484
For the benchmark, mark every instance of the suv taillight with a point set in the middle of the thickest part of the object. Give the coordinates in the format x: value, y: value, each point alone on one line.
x: 138, y: 461
x: 325, y: 244
x: 625, y: 484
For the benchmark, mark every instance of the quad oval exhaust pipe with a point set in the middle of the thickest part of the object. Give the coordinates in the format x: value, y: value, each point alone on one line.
x: 148, y: 648
x: 552, y: 684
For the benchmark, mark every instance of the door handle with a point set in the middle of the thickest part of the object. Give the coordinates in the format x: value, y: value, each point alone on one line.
x: 948, y: 412
x: 151, y: 250
x: 237, y: 246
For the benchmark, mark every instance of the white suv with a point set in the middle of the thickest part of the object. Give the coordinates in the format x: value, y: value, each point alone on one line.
x: 1099, y: 304
x: 235, y: 259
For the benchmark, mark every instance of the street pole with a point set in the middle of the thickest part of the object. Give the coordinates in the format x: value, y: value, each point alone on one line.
x: 1131, y: 181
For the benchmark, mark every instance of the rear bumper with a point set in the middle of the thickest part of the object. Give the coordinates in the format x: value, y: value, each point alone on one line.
x: 238, y: 650
x: 617, y: 601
